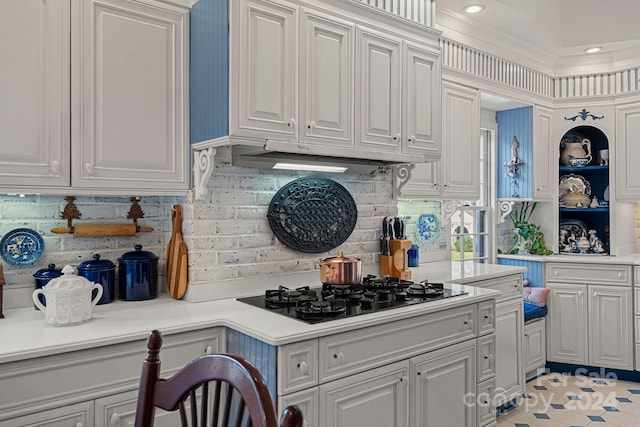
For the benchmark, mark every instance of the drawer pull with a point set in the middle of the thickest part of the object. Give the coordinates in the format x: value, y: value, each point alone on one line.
x: 489, y: 317
x: 555, y: 273
x: 304, y: 368
x: 469, y: 323
x: 339, y: 357
x: 208, y: 350
x: 114, y: 420
x: 619, y: 275
x: 404, y: 379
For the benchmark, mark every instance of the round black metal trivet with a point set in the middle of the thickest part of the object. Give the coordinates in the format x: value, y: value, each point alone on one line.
x: 312, y: 214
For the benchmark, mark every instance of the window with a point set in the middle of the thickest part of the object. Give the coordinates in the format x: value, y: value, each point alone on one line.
x: 471, y: 229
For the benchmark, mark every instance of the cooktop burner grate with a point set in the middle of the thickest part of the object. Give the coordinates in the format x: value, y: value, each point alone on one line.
x: 330, y: 302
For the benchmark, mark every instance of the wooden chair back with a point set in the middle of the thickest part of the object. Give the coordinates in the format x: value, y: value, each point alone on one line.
x: 211, y: 391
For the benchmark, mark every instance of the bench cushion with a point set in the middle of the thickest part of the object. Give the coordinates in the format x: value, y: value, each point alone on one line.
x: 533, y: 311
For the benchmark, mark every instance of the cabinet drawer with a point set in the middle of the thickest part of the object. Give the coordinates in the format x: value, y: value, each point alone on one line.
x: 486, y: 357
x: 486, y: 317
x: 509, y: 287
x: 298, y: 366
x: 357, y: 351
x: 45, y: 382
x: 596, y: 274
x: 485, y: 402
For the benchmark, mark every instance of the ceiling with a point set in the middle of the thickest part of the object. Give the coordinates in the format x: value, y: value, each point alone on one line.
x: 560, y: 28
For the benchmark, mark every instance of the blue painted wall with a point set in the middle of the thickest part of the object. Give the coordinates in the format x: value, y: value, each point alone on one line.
x: 519, y: 123
x: 261, y: 355
x: 209, y: 70
x: 533, y: 273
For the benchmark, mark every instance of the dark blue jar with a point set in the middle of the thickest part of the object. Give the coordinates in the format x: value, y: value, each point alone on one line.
x: 100, y: 271
x: 414, y: 256
x: 138, y: 275
x: 43, y: 276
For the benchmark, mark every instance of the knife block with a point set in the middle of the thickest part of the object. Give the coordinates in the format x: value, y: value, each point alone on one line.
x: 396, y: 264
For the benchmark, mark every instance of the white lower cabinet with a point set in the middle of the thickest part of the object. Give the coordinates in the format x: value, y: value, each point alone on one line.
x: 509, y: 342
x: 590, y: 324
x: 93, y: 387
x: 439, y: 380
x: 431, y: 370
x: 375, y: 398
x: 535, y: 349
x: 77, y: 415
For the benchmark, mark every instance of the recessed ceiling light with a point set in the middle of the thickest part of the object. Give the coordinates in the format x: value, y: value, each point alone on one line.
x: 474, y: 8
x: 593, y: 50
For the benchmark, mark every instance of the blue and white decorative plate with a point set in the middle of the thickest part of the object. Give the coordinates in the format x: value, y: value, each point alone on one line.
x: 21, y: 246
x: 428, y: 229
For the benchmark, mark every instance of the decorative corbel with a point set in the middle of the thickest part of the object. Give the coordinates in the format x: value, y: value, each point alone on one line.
x: 202, y: 170
x: 506, y: 207
x: 448, y: 209
x: 402, y: 175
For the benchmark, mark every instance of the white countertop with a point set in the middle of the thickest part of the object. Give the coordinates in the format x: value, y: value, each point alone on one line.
x: 24, y: 334
x: 632, y: 259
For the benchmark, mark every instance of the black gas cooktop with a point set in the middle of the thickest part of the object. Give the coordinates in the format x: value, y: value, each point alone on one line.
x: 314, y: 305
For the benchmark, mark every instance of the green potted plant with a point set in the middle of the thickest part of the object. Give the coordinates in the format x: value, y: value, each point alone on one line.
x: 527, y: 238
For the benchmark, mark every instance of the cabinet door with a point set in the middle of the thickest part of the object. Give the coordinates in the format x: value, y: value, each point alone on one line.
x: 544, y: 158
x: 567, y: 324
x: 421, y: 101
x: 129, y: 96
x: 326, y: 79
x: 422, y: 183
x: 509, y: 350
x: 378, y: 397
x: 307, y: 401
x: 79, y: 415
x: 263, y: 69
x: 534, y: 346
x: 627, y: 152
x: 610, y: 317
x: 119, y: 410
x: 444, y: 380
x: 34, y: 83
x: 460, y: 142
x: 378, y: 91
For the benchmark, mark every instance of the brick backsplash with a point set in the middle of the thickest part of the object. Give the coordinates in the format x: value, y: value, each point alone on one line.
x: 227, y: 233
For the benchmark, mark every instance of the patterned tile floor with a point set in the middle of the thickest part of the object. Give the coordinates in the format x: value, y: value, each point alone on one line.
x: 559, y: 400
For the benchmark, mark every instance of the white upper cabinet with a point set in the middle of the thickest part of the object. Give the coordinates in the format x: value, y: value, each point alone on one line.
x: 326, y: 79
x: 34, y: 82
x: 316, y: 80
x: 94, y: 97
x: 627, y: 152
x: 456, y: 176
x: 128, y: 97
x: 421, y: 100
x: 263, y: 77
x: 544, y: 158
x: 378, y: 91
x: 461, y: 142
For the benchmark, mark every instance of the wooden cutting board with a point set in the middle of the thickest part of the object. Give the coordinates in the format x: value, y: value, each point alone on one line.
x: 176, y: 257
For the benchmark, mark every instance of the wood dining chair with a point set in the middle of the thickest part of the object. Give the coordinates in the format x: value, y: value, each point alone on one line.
x: 213, y: 390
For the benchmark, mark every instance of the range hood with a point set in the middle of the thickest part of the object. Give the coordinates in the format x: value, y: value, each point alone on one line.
x: 273, y: 154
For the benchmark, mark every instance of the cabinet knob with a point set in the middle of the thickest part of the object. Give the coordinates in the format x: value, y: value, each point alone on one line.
x: 404, y: 379
x: 292, y: 124
x: 339, y: 357
x: 397, y: 137
x: 555, y: 273
x: 489, y: 317
x: 55, y: 166
x: 89, y: 168
x: 469, y: 323
x: 114, y: 420
x: 304, y: 368
x: 208, y: 350
x: 412, y: 139
x: 619, y: 275
x: 312, y: 125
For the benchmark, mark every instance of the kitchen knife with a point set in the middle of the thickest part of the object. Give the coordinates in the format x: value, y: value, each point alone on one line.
x: 397, y: 228
x: 392, y: 235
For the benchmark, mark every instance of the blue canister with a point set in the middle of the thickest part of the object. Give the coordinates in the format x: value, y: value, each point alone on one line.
x: 138, y: 275
x: 414, y: 255
x: 43, y: 276
x: 100, y: 271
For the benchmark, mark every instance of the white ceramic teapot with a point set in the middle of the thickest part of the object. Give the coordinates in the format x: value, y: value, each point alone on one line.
x: 68, y: 298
